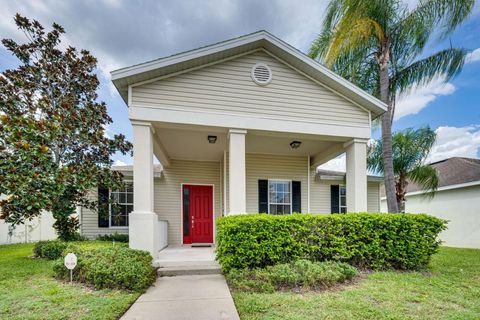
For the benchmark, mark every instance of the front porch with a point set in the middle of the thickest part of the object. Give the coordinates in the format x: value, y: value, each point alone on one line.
x: 233, y: 171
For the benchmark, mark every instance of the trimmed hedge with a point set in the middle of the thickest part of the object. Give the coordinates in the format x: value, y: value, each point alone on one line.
x: 366, y: 240
x: 49, y: 249
x: 294, y: 275
x: 114, y: 267
x: 54, y: 249
x: 117, y: 237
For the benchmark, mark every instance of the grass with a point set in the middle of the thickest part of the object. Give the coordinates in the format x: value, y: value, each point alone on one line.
x: 29, y: 291
x: 450, y: 290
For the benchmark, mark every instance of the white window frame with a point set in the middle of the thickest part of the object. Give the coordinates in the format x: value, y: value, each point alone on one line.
x: 340, y: 198
x: 284, y: 204
x: 126, y: 203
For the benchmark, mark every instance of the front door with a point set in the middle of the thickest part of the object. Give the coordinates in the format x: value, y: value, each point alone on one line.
x: 197, y: 214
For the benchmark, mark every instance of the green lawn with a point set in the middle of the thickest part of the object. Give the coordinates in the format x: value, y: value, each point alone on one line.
x: 29, y: 291
x: 451, y: 290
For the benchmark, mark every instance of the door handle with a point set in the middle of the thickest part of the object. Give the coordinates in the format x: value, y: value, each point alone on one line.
x: 193, y: 222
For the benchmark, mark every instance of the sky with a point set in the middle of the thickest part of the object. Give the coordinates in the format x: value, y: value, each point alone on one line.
x: 122, y: 33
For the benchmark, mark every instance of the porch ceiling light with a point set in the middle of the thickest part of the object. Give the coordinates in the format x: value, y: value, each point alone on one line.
x: 295, y: 144
x: 212, y: 139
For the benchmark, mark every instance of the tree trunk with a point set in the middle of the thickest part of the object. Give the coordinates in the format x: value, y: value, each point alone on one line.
x: 387, y: 131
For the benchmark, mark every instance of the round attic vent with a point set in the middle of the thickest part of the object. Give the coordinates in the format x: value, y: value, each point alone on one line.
x: 261, y: 74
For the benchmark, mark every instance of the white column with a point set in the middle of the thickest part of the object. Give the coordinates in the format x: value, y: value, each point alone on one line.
x: 356, y: 175
x: 236, y: 172
x: 143, y: 221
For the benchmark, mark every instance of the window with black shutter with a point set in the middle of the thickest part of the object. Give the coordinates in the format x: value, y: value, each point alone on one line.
x: 334, y: 199
x: 103, y: 207
x: 263, y: 196
x: 296, y: 196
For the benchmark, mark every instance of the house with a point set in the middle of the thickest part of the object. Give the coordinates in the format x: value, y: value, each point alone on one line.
x: 238, y: 127
x: 457, y: 199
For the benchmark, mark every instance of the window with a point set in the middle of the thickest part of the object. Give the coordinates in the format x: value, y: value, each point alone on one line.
x: 122, y: 205
x: 279, y: 197
x: 343, y: 199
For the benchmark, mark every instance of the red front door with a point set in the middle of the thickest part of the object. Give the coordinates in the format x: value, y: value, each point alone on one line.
x: 197, y: 214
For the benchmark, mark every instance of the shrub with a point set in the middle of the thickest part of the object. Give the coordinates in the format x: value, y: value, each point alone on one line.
x: 117, y: 237
x: 302, y: 273
x: 114, y: 267
x: 365, y: 240
x: 51, y: 249
x: 54, y: 249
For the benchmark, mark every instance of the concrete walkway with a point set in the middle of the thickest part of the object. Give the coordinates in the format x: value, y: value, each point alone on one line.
x: 193, y: 293
x: 198, y: 297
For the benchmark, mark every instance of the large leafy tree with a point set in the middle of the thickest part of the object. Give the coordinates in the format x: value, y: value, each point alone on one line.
x: 410, y: 150
x: 377, y: 45
x: 53, y: 146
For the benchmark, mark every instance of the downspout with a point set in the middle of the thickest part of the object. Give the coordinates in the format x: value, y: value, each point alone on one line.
x: 308, y: 184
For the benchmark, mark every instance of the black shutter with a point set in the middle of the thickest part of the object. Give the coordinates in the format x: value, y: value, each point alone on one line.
x: 262, y: 196
x: 296, y: 197
x: 334, y: 196
x: 103, y: 195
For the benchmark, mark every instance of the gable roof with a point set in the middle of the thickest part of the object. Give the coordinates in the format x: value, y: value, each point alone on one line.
x: 123, y: 78
x: 453, y: 171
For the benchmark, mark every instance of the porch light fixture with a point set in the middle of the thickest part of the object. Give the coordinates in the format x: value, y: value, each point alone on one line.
x: 212, y: 139
x: 295, y: 144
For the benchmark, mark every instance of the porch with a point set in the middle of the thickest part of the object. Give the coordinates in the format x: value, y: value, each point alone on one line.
x: 229, y: 171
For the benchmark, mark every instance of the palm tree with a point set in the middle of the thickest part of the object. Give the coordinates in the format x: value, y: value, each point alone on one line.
x: 376, y: 44
x: 410, y: 149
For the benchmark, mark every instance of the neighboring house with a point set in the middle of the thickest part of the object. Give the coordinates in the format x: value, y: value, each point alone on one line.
x: 39, y: 228
x: 457, y: 199
x: 238, y: 127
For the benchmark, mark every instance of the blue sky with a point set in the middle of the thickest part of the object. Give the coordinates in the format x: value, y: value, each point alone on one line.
x: 121, y: 33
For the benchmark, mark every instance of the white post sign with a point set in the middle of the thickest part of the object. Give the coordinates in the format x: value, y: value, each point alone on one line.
x: 70, y: 262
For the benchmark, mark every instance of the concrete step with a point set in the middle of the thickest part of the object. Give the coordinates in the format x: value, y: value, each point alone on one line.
x: 189, y: 270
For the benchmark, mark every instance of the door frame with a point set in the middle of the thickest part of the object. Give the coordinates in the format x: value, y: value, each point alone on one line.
x: 213, y: 207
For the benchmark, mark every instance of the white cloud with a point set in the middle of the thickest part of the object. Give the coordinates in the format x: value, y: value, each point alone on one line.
x: 456, y: 142
x: 119, y: 163
x: 337, y: 164
x: 473, y: 56
x: 419, y: 97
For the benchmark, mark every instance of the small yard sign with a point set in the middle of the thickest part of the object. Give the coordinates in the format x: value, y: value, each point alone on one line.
x: 70, y: 262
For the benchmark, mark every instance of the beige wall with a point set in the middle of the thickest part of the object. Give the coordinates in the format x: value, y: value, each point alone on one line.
x: 460, y: 206
x: 265, y: 166
x: 89, y: 222
x: 320, y: 195
x: 227, y: 88
x: 168, y: 204
x: 258, y: 166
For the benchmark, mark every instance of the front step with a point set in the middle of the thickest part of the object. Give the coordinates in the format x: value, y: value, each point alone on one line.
x: 188, y: 270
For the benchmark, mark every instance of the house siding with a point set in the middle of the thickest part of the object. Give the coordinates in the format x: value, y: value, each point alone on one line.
x: 320, y: 195
x: 265, y: 166
x: 89, y: 221
x: 168, y: 204
x: 227, y: 88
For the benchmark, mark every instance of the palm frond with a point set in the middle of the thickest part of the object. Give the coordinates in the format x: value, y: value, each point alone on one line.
x: 426, y: 177
x: 448, y: 63
x: 346, y: 38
